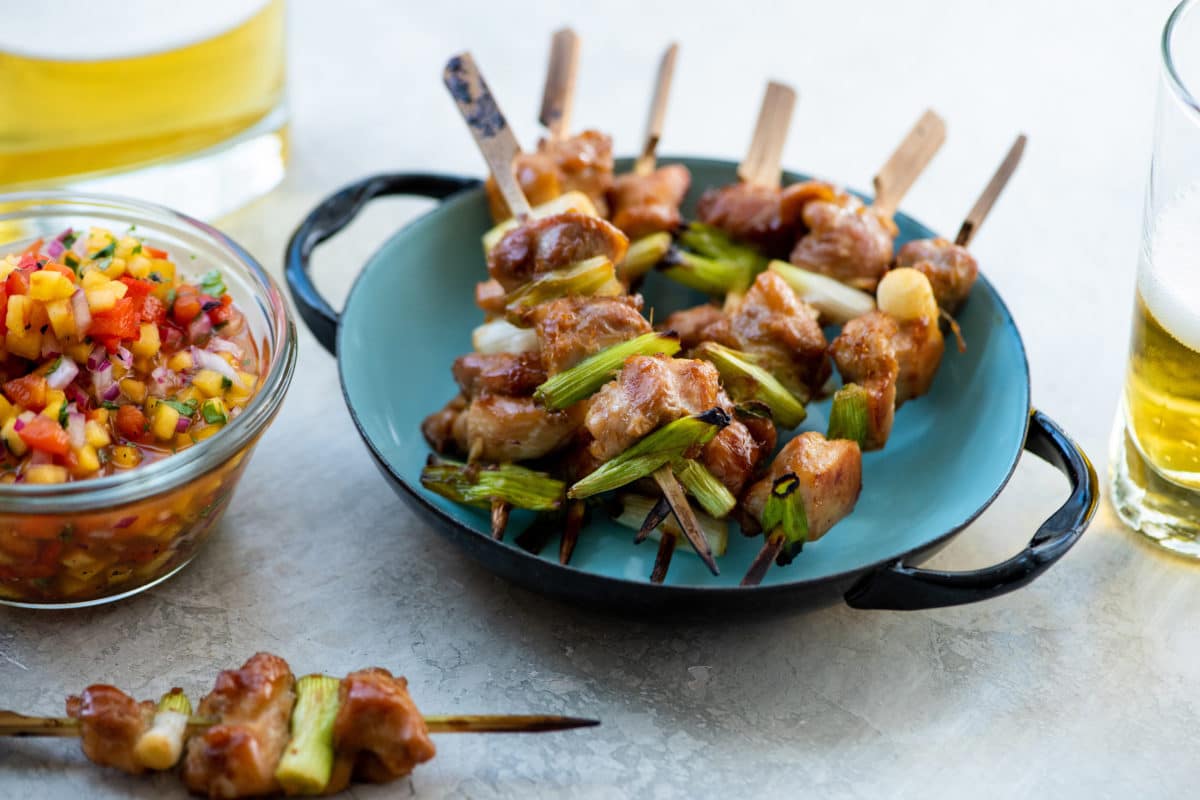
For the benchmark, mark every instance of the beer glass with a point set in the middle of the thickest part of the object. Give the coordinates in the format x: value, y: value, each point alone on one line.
x: 1156, y: 445
x: 179, y: 103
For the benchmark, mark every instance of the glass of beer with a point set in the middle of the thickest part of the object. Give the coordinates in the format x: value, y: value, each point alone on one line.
x: 178, y: 103
x: 1155, y: 459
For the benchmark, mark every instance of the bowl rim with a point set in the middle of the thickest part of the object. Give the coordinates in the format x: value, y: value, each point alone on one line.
x: 121, y: 488
x: 509, y: 551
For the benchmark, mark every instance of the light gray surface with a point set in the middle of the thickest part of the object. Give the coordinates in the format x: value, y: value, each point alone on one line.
x: 1083, y: 684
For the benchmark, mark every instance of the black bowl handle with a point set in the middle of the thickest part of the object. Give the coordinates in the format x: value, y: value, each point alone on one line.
x: 903, y: 588
x: 336, y: 212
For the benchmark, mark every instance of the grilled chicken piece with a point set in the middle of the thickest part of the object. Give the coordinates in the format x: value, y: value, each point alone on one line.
x: 238, y: 756
x: 752, y: 213
x: 514, y: 374
x: 738, y: 451
x: 497, y: 428
x: 379, y: 735
x: 951, y: 270
x: 110, y: 724
x: 649, y: 392
x: 583, y: 162
x: 706, y: 323
x: 893, y: 361
x: 830, y: 474
x: 779, y: 328
x: 550, y: 243
x: 570, y: 329
x: 846, y: 240
x: 491, y: 297
x: 646, y: 204
x: 438, y: 427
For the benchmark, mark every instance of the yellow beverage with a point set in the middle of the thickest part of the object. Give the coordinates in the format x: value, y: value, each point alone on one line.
x: 89, y: 88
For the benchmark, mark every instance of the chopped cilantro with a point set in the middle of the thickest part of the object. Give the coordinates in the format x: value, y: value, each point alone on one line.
x: 63, y: 415
x: 212, y: 284
x: 226, y: 382
x: 105, y: 252
x: 186, y: 409
x: 109, y: 404
x: 69, y: 239
x: 137, y: 249
x: 213, y: 413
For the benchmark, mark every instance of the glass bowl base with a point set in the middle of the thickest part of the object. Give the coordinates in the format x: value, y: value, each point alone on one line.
x: 98, y: 601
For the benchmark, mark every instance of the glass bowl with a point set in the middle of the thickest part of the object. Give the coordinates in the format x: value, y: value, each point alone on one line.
x: 102, y: 539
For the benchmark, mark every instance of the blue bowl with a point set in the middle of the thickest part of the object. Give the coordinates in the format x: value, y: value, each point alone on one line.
x: 950, y: 454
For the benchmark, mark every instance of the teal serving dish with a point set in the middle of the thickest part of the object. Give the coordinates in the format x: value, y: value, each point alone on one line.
x: 950, y: 455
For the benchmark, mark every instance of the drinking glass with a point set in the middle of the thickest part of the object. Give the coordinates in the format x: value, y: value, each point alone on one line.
x: 1156, y: 445
x: 178, y: 103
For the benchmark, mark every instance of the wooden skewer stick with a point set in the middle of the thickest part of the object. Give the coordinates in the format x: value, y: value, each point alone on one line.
x: 673, y: 491
x: 763, y: 163
x: 488, y: 126
x: 14, y: 724
x: 658, y: 512
x: 658, y: 111
x: 662, y: 561
x: 558, y: 98
x: 572, y: 525
x: 908, y: 161
x: 762, y: 562
x: 500, y: 510
x: 995, y: 186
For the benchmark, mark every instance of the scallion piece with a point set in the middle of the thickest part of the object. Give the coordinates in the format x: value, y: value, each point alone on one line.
x: 837, y: 302
x: 663, y: 446
x: 479, y: 486
x: 747, y: 382
x: 707, y: 275
x: 635, y: 507
x: 162, y: 744
x: 307, y: 762
x: 784, y: 513
x: 212, y: 284
x: 848, y: 417
x: 595, y: 276
x: 642, y: 255
x: 585, y: 378
x: 712, y: 242
x: 701, y: 484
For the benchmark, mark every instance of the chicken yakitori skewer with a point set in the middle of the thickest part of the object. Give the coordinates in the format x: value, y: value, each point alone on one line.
x: 262, y: 732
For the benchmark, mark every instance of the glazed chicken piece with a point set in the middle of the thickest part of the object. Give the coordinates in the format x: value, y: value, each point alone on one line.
x: 550, y: 243
x: 893, y: 361
x: 951, y: 270
x: 751, y: 213
x: 110, y: 724
x: 694, y: 326
x: 583, y: 162
x: 646, y: 204
x: 515, y: 374
x: 830, y: 474
x: 570, y: 329
x: 846, y: 240
x: 237, y: 757
x: 379, y: 735
x: 650, y: 392
x: 497, y: 428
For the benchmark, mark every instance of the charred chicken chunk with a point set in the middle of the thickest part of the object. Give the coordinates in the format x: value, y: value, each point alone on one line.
x: 550, y: 243
x: 570, y: 329
x: 830, y: 474
x: 497, y: 428
x: 738, y: 451
x: 706, y: 323
x: 646, y: 204
x: 110, y: 724
x: 583, y: 162
x: 237, y: 757
x: 775, y: 325
x: 379, y: 735
x: 514, y: 374
x: 751, y: 213
x: 951, y: 270
x: 846, y: 240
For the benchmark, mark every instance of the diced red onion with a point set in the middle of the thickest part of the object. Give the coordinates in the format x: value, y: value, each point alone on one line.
x: 18, y: 424
x: 183, y: 424
x: 63, y: 374
x: 102, y: 381
x: 78, y: 396
x: 212, y: 361
x: 97, y: 358
x: 124, y: 357
x: 83, y: 314
x: 125, y: 522
x: 50, y: 345
x: 75, y: 432
x: 55, y: 249
x: 200, y: 327
x: 220, y: 345
x: 172, y: 337
x: 111, y: 393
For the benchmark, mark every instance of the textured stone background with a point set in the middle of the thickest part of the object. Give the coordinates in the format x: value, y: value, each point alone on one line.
x: 1081, y: 685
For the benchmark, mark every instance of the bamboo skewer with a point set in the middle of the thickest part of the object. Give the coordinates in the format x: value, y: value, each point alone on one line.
x: 558, y: 97
x: 572, y: 525
x: 488, y: 126
x: 763, y: 164
x: 657, y: 514
x: 14, y: 724
x: 674, y: 494
x: 908, y: 161
x: 992, y: 191
x: 658, y: 112
x: 500, y: 511
x: 762, y: 562
x: 662, y: 560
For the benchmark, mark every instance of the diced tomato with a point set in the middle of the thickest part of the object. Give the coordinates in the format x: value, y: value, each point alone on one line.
x: 153, y: 252
x: 131, y: 422
x: 60, y: 268
x: 18, y: 282
x: 222, y: 313
x: 187, y: 307
x: 137, y: 288
x: 170, y: 336
x: 120, y: 322
x: 153, y: 310
x: 27, y: 392
x: 43, y: 433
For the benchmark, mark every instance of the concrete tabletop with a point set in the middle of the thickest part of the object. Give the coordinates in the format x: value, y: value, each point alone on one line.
x: 1082, y: 684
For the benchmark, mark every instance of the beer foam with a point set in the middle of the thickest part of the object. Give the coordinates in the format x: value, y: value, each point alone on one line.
x: 1169, y: 272
x: 101, y: 30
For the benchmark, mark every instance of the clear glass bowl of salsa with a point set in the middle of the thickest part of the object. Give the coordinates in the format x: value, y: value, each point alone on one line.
x: 132, y: 395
